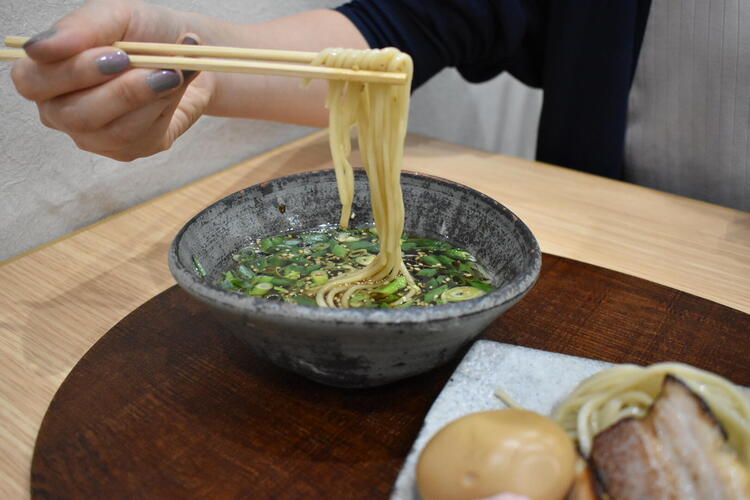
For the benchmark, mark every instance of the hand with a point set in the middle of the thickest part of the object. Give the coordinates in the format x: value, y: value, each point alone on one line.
x: 86, y: 89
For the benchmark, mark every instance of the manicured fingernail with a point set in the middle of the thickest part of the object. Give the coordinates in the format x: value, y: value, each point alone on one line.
x: 187, y: 74
x: 115, y: 62
x: 44, y: 35
x: 164, y: 79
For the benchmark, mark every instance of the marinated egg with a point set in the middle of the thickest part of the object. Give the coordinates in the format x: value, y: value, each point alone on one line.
x: 500, y: 451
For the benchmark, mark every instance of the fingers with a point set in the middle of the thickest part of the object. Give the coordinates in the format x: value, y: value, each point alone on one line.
x: 39, y: 82
x: 150, y: 129
x: 87, y: 89
x: 97, y: 23
x: 91, y: 109
x: 137, y: 134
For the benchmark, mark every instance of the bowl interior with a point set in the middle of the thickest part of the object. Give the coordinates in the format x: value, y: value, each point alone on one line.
x: 435, y: 207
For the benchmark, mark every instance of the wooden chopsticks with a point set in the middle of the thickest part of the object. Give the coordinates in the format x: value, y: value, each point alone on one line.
x: 229, y: 60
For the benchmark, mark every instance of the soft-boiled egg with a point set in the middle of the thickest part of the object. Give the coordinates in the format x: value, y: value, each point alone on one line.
x: 500, y: 451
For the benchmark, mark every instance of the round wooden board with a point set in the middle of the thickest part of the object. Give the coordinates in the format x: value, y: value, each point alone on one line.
x: 169, y: 405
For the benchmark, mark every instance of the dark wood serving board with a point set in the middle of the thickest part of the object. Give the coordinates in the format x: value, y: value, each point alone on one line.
x: 169, y: 405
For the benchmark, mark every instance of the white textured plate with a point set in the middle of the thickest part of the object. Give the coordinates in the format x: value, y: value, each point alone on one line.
x: 534, y: 379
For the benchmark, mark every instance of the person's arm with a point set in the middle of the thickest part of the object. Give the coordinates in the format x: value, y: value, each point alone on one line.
x: 276, y: 98
x: 83, y: 88
x: 481, y: 38
x: 86, y: 89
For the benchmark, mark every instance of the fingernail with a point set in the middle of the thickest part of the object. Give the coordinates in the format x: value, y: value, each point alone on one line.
x: 164, y: 79
x: 115, y: 62
x: 44, y: 35
x: 187, y: 74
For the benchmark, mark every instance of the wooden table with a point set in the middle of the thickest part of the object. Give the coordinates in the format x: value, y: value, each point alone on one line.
x: 58, y: 300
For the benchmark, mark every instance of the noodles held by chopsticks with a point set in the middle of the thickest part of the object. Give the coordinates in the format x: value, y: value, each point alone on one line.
x: 380, y: 113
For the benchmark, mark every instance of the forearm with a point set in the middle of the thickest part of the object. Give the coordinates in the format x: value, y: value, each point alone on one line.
x: 267, y: 97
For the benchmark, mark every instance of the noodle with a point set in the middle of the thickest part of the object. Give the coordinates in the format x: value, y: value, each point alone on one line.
x: 380, y: 112
x: 629, y: 390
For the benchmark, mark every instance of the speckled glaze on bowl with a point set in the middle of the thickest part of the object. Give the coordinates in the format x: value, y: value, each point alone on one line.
x: 356, y: 347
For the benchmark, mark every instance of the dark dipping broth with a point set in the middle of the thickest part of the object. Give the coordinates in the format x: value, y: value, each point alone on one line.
x: 291, y: 267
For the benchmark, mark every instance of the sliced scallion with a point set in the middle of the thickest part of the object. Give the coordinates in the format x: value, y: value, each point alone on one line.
x: 339, y: 251
x: 430, y: 260
x: 460, y: 293
x: 260, y: 289
x: 482, y: 286
x: 319, y: 277
x: 365, y: 260
x: 435, y: 293
x: 199, y: 267
x: 392, y: 287
x: 304, y: 300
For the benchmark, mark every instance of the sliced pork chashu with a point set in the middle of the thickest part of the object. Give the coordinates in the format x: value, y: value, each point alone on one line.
x: 678, y: 451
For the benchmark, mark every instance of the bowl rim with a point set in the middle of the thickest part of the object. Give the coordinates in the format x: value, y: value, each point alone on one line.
x: 511, y: 292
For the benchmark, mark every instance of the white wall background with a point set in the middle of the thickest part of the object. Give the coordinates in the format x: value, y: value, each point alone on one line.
x: 49, y: 188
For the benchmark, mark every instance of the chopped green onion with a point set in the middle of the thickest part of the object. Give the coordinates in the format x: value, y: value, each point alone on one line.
x: 460, y: 293
x: 260, y: 289
x: 432, y: 295
x: 291, y: 243
x: 430, y: 260
x: 482, y: 286
x: 339, y: 251
x: 308, y: 269
x: 304, y: 300
x: 404, y: 305
x: 356, y: 245
x: 346, y: 237
x: 390, y: 298
x: 391, y: 287
x: 292, y: 274
x: 246, y: 272
x: 199, y: 267
x: 365, y: 260
x: 319, y: 277
x: 263, y: 279
x: 445, y: 260
x: 268, y: 243
x: 282, y: 281
x: 408, y: 245
x: 314, y: 237
x: 459, y: 254
x: 275, y: 260
x: 359, y: 299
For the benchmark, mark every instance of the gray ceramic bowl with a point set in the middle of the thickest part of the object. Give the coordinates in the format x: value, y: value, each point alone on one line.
x: 356, y: 347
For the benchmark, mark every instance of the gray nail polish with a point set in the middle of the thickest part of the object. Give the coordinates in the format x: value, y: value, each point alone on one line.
x: 164, y: 79
x: 44, y: 35
x: 186, y: 73
x: 115, y: 62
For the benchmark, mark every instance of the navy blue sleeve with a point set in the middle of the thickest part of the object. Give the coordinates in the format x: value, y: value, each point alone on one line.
x: 481, y: 38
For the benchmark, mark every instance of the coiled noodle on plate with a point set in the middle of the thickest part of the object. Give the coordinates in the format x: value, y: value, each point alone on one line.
x: 630, y: 390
